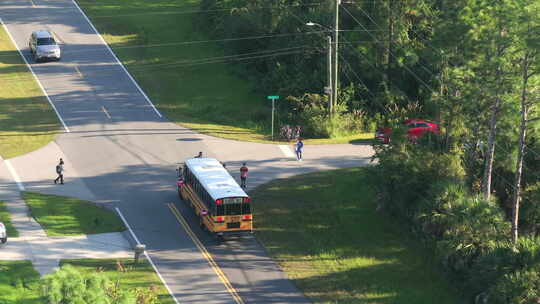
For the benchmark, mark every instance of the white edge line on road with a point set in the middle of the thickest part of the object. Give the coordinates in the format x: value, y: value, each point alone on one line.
x: 287, y: 151
x: 146, y: 254
x: 35, y: 76
x: 117, y: 60
x: 14, y: 175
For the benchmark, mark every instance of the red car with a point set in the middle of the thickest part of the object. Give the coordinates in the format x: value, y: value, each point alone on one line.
x: 416, y: 128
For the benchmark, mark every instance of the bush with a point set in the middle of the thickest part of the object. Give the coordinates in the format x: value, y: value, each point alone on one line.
x: 529, y: 212
x: 311, y: 112
x: 473, y: 228
x: 406, y: 173
x: 69, y: 286
x: 504, y: 260
x: 521, y: 287
x: 470, y: 235
x: 435, y: 210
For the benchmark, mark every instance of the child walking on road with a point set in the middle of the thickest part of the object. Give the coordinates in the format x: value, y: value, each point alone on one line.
x: 298, y: 149
x: 60, y: 172
x: 243, y: 175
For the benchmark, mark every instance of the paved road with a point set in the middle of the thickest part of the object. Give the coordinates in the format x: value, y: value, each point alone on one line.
x: 125, y: 155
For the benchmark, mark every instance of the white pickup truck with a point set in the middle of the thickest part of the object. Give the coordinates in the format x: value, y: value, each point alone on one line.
x: 3, y: 233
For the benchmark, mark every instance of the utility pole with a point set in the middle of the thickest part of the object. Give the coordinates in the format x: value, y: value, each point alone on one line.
x: 329, y: 63
x: 273, y: 98
x: 336, y: 40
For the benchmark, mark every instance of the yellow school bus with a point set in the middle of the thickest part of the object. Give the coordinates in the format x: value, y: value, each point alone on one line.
x: 221, y: 204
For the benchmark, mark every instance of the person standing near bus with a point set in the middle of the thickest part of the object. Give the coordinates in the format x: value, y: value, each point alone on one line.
x: 298, y: 149
x: 199, y: 155
x: 243, y: 175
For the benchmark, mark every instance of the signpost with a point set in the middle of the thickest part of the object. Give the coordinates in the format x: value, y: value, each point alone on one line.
x: 273, y: 98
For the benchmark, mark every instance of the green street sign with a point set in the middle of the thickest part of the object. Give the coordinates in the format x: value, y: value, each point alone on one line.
x: 273, y: 97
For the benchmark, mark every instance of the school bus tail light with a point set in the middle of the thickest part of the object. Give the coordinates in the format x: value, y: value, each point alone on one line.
x: 219, y: 202
x: 180, y: 182
x: 220, y: 219
x: 246, y: 217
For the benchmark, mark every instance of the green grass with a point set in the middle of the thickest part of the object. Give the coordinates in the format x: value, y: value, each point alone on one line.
x: 205, y: 97
x: 324, y: 231
x: 147, y: 36
x: 60, y: 215
x: 6, y: 219
x: 27, y: 121
x: 135, y: 275
x: 19, y: 283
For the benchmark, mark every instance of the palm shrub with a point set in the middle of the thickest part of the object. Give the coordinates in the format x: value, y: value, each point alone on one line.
x: 520, y: 287
x: 474, y: 226
x: 435, y: 215
x: 519, y: 279
x: 67, y: 285
x: 499, y: 273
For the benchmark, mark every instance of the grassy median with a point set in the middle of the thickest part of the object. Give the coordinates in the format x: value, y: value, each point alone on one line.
x: 27, y: 121
x: 325, y: 232
x: 19, y: 283
x: 66, y: 216
x: 161, y: 46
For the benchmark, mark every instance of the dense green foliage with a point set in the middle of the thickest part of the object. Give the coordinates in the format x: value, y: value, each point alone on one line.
x: 427, y: 188
x: 82, y: 281
x: 471, y: 65
x: 95, y: 281
x: 69, y: 286
x: 325, y: 231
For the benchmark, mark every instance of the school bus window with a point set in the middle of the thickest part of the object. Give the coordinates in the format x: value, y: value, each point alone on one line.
x: 220, y: 210
x: 233, y: 209
x: 246, y: 208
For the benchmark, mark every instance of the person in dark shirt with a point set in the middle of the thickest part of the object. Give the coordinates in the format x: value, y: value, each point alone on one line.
x: 298, y: 149
x: 60, y: 172
x: 243, y: 175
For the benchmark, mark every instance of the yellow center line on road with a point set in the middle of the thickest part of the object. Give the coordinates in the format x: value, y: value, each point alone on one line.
x: 58, y: 38
x: 206, y: 254
x: 105, y: 111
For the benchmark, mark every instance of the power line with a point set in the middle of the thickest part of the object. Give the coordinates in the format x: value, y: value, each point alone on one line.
x: 378, y: 70
x: 199, y: 11
x: 390, y: 52
x: 179, y: 43
x: 349, y: 44
x: 186, y: 63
